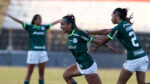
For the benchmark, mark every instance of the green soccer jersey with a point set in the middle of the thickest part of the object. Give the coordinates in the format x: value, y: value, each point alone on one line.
x: 37, y: 39
x: 77, y: 43
x: 124, y: 32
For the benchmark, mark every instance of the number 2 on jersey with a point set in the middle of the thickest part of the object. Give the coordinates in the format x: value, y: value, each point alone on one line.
x: 133, y: 39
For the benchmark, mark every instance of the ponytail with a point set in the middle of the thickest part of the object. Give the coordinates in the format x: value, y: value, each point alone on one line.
x: 128, y: 19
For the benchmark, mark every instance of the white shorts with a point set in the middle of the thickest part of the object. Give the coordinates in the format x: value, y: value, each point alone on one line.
x: 36, y: 57
x: 90, y: 70
x: 140, y: 64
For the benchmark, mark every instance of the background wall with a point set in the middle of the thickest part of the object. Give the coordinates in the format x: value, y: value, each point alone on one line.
x: 90, y: 14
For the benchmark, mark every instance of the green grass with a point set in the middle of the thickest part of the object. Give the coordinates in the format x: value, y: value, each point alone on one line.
x: 16, y: 75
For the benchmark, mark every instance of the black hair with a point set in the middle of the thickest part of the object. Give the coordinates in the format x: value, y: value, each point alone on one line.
x: 70, y: 19
x: 122, y: 12
x: 34, y: 18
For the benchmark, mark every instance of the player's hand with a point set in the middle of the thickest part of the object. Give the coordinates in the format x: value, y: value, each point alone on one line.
x: 5, y: 13
x: 111, y: 48
x: 94, y: 49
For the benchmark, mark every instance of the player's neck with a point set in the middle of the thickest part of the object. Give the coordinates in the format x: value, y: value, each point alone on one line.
x: 119, y: 21
x: 37, y: 25
x: 70, y: 31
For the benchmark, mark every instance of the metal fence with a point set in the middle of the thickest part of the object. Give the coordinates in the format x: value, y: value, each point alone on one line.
x: 57, y: 41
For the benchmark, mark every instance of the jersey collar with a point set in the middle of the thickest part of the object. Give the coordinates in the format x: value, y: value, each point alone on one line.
x: 72, y: 32
x: 121, y: 21
x: 36, y: 26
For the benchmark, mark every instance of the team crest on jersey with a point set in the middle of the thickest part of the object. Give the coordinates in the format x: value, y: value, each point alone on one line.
x: 43, y: 28
x: 80, y: 66
x: 75, y: 40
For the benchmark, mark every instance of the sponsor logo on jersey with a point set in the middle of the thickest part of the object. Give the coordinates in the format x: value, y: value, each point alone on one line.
x: 138, y: 52
x: 38, y: 33
x: 128, y: 28
x: 126, y: 25
x: 40, y: 47
x: 72, y: 47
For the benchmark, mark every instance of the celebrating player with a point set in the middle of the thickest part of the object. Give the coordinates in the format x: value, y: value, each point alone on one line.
x: 137, y: 59
x: 37, y: 42
x: 77, y: 43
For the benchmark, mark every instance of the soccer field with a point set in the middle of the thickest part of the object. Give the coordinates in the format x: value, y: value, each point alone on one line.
x: 16, y: 75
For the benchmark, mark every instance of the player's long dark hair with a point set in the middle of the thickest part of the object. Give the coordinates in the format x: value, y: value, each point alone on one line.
x: 34, y: 18
x: 70, y: 19
x: 122, y: 12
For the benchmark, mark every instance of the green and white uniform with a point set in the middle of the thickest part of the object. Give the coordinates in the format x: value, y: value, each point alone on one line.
x: 125, y: 34
x: 37, y: 40
x: 77, y: 43
x: 37, y: 43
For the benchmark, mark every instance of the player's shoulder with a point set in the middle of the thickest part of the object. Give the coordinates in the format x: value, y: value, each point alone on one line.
x: 79, y: 33
x: 120, y: 25
x: 46, y: 26
x: 25, y: 23
x: 42, y: 25
x: 124, y: 24
x: 29, y: 25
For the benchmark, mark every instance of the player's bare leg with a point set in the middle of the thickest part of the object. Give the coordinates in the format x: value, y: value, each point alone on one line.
x: 140, y: 76
x: 41, y: 67
x: 29, y: 73
x: 124, y: 76
x: 93, y: 79
x: 71, y: 72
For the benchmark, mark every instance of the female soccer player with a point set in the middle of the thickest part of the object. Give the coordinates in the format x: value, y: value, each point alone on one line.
x: 77, y: 43
x: 37, y: 42
x: 137, y: 59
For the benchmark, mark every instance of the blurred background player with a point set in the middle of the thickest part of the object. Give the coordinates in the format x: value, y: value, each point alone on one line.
x: 37, y: 42
x: 137, y: 60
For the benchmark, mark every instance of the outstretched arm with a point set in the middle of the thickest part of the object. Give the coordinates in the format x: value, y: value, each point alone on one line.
x: 99, y: 38
x: 13, y: 18
x: 93, y: 40
x: 99, y: 32
x: 56, y: 22
x: 111, y: 48
x: 103, y: 42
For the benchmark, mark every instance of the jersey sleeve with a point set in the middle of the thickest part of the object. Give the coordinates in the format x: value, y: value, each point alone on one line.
x: 48, y: 26
x: 84, y: 36
x: 114, y: 32
x: 25, y: 26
